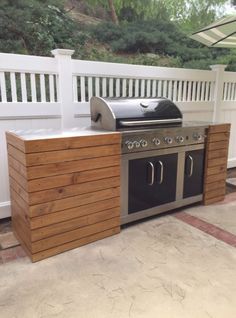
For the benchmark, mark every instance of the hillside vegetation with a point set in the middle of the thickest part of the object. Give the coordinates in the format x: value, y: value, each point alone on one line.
x: 150, y: 32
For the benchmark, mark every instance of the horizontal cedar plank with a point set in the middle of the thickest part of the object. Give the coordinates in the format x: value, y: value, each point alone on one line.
x: 21, y: 229
x: 214, y: 200
x: 71, y: 202
x: 16, y: 154
x: 16, y: 209
x: 215, y: 193
x: 73, y: 244
x: 19, y: 190
x: 15, y: 140
x: 63, y: 238
x: 51, y: 144
x: 42, y: 158
x: 22, y: 203
x: 76, y: 212
x: 73, y: 178
x: 219, y: 128
x: 217, y: 162
x: 18, y: 178
x: 213, y: 186
x: 72, y: 166
x: 216, y: 177
x: 72, y: 190
x: 73, y: 224
x: 215, y: 170
x: 220, y: 153
x: 16, y: 165
x: 217, y: 145
x: 222, y: 136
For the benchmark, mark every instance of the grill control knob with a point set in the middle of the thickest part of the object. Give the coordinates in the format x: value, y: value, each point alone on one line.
x: 168, y: 140
x: 129, y: 144
x: 180, y: 139
x: 156, y: 141
x: 136, y: 144
x: 197, y: 136
x: 143, y: 143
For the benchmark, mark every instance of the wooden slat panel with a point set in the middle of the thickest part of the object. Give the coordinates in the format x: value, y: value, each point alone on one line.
x: 74, y: 178
x: 20, y: 202
x: 16, y: 154
x: 74, y: 235
x: 220, y: 153
x: 14, y: 140
x: 73, y: 224
x: 218, y: 145
x: 19, y: 212
x: 215, y: 177
x: 214, y: 185
x: 216, y: 170
x: 16, y: 165
x: 215, y: 193
x: 219, y: 137
x: 70, y: 245
x: 219, y: 128
x: 69, y: 191
x: 18, y: 177
x: 42, y: 158
x: 71, y: 166
x: 19, y: 190
x: 71, y: 142
x: 67, y: 203
x: 76, y: 212
x: 217, y: 162
x: 214, y: 200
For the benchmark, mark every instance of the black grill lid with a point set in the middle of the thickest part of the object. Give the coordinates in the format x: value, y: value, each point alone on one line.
x: 118, y: 113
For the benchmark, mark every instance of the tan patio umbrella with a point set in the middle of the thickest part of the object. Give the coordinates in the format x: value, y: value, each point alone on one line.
x: 221, y: 33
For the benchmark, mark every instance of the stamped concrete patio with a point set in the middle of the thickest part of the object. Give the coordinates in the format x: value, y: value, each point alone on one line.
x: 176, y: 265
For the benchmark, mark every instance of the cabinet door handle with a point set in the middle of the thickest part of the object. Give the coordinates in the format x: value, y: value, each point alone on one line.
x: 161, y: 172
x: 191, y: 166
x: 152, y: 173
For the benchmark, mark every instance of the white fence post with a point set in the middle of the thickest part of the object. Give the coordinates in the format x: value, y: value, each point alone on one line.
x: 218, y: 89
x: 65, y: 86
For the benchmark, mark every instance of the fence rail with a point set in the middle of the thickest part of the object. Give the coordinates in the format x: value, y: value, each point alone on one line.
x: 54, y: 92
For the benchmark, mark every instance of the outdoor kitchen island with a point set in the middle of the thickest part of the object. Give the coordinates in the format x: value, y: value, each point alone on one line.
x: 65, y: 186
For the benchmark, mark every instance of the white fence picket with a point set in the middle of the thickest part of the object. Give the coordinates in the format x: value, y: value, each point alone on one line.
x: 3, y: 87
x: 13, y: 87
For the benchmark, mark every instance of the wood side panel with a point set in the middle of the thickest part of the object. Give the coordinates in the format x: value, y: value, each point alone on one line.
x: 85, y: 231
x: 220, y: 153
x: 217, y: 162
x: 218, y: 145
x: 215, y: 193
x: 17, y: 209
x: 19, y: 190
x: 215, y: 170
x: 22, y: 203
x: 72, y: 166
x: 223, y: 136
x: 214, y: 185
x: 216, y: 177
x: 16, y: 141
x: 42, y: 158
x: 62, y: 227
x: 17, y: 154
x: 71, y: 190
x: 43, y: 145
x: 219, y: 128
x: 214, y: 200
x: 18, y: 178
x: 71, y: 202
x: 76, y: 212
x: 73, y: 178
x: 73, y: 244
x: 16, y: 165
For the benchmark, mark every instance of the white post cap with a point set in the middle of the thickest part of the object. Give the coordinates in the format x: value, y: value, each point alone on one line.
x: 67, y: 52
x: 218, y: 67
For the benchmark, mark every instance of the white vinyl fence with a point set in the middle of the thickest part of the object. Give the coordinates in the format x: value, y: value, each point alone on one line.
x: 54, y: 92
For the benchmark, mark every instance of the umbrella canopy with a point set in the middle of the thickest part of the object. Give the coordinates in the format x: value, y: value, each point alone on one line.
x: 221, y: 33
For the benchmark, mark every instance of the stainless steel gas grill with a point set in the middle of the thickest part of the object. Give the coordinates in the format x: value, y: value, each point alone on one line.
x: 162, y: 156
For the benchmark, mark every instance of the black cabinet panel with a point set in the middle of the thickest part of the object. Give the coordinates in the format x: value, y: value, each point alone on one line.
x: 152, y: 182
x: 193, y: 173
